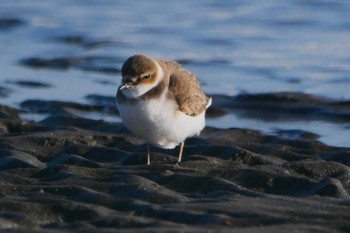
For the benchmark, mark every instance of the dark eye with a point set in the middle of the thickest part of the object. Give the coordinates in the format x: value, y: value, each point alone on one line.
x: 147, y: 76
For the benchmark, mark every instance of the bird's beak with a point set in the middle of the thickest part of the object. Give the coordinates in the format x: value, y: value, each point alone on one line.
x: 128, y: 83
x: 125, y: 85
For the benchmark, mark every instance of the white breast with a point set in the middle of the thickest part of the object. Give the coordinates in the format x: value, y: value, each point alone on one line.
x: 159, y: 123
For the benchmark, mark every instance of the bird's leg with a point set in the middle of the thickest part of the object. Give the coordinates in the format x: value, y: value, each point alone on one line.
x: 180, y: 152
x: 148, y: 155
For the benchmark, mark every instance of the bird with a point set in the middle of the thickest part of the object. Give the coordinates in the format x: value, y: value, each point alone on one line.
x: 160, y: 102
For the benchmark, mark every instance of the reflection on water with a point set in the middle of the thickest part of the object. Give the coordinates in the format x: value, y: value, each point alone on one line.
x: 233, y: 47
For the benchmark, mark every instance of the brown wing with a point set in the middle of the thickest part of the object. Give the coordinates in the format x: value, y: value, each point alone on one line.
x: 185, y: 88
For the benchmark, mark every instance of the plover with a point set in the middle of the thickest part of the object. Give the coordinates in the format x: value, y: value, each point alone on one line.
x: 160, y: 102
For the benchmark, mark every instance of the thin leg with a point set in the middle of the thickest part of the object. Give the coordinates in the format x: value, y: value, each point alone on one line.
x: 148, y: 155
x: 180, y: 151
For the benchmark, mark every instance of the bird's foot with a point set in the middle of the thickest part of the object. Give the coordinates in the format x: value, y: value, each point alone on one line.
x: 178, y: 164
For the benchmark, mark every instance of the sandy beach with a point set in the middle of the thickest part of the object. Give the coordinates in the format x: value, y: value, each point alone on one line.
x: 72, y: 173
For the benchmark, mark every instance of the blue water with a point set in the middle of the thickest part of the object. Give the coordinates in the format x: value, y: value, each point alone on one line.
x: 232, y: 46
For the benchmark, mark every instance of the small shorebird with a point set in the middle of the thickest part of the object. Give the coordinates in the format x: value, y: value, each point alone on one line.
x: 160, y: 102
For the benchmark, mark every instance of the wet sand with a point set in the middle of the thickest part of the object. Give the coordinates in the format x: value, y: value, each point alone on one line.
x: 68, y: 173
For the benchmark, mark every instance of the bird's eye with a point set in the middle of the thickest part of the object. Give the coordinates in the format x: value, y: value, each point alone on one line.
x: 147, y: 76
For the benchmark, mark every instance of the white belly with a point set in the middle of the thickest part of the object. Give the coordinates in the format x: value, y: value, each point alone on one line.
x: 159, y: 123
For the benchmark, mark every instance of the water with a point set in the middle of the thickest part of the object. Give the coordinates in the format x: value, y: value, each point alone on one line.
x: 233, y: 47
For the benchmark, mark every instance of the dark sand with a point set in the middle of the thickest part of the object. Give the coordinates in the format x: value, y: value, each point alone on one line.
x: 67, y: 173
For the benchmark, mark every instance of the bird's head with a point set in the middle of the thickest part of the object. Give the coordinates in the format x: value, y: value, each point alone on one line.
x: 140, y: 74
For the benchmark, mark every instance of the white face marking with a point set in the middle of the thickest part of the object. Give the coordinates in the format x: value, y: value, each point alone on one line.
x: 141, y: 88
x: 136, y: 91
